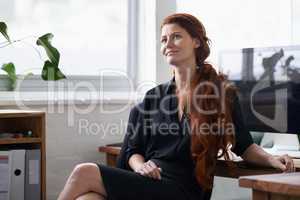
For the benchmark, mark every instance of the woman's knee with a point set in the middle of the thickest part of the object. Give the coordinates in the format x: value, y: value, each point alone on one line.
x: 91, y: 196
x: 88, y: 174
x: 85, y: 172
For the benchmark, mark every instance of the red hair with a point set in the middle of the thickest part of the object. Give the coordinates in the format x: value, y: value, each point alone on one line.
x: 205, y: 146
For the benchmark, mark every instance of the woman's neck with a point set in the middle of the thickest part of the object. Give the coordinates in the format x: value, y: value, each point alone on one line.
x: 183, y: 77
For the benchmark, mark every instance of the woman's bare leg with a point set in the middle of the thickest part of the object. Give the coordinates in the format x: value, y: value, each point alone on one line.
x: 84, y: 178
x: 91, y: 196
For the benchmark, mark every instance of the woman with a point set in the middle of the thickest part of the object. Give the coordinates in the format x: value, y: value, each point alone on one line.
x: 176, y: 134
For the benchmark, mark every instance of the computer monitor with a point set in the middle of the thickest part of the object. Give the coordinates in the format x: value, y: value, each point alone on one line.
x: 268, y: 80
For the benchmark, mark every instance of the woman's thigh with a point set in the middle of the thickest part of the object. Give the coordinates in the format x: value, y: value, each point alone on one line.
x: 122, y: 184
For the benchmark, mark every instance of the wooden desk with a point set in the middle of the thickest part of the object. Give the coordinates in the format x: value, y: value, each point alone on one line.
x: 241, y: 168
x: 283, y: 186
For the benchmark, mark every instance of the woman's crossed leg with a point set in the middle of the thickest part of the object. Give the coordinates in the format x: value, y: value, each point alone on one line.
x: 85, y: 182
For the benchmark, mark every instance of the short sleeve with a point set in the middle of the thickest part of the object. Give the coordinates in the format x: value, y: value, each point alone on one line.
x: 243, y: 137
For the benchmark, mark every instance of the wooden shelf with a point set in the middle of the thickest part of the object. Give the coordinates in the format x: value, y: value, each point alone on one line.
x: 21, y: 141
x: 19, y: 113
x: 22, y: 121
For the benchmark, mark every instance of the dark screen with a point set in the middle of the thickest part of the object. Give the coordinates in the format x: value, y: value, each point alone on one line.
x: 268, y: 80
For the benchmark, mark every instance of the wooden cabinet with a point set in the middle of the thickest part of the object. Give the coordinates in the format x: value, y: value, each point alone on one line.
x: 22, y: 121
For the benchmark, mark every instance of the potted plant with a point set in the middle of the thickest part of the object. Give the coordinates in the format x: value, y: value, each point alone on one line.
x: 50, y: 70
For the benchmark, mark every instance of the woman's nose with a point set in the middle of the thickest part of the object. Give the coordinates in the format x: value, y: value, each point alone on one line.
x: 169, y: 43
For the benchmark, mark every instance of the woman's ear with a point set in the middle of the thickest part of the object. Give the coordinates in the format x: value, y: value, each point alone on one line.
x: 197, y: 43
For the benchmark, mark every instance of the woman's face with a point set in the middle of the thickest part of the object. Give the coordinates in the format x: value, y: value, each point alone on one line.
x: 177, y: 46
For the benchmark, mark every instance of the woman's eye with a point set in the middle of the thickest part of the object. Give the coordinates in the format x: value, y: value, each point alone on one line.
x: 163, y: 40
x: 177, y: 37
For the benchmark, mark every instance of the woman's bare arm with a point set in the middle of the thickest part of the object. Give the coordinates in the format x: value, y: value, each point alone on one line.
x: 256, y: 155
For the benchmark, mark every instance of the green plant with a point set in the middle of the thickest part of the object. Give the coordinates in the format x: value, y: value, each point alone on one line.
x: 50, y: 69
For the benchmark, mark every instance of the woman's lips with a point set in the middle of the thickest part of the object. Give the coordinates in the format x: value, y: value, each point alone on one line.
x: 171, y: 52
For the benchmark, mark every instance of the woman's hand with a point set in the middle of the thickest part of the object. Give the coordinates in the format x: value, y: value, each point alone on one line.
x: 284, y: 163
x: 149, y: 169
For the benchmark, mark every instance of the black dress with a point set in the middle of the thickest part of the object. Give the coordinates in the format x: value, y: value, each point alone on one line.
x: 155, y: 132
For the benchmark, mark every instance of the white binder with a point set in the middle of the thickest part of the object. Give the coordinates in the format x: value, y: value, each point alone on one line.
x: 17, y: 174
x: 4, y: 174
x: 32, y: 174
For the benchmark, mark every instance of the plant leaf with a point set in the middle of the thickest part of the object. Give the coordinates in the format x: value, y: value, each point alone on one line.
x: 50, y: 69
x: 51, y: 72
x: 3, y: 31
x: 10, y: 69
x: 52, y: 52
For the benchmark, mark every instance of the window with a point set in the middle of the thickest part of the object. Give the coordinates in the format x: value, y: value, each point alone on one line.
x: 91, y: 35
x: 295, y: 6
x: 234, y: 24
